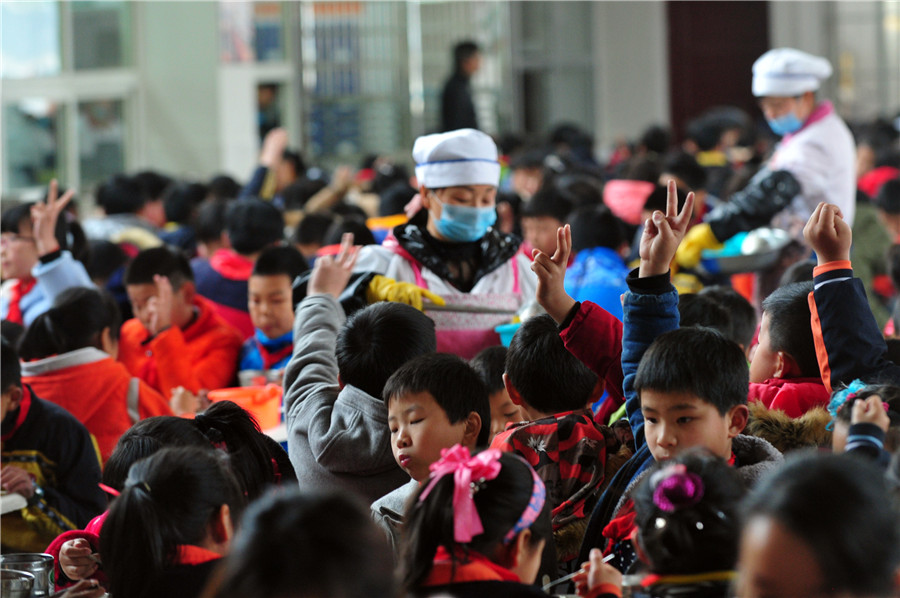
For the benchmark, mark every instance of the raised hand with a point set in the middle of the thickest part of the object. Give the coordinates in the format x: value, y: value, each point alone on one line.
x: 828, y: 234
x: 44, y: 217
x: 551, y: 274
x: 273, y: 146
x: 870, y: 411
x: 663, y: 233
x: 331, y: 275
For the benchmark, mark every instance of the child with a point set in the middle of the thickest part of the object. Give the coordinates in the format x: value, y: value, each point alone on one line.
x: 34, y: 259
x: 69, y: 356
x: 740, y: 311
x: 433, y: 401
x: 49, y: 459
x: 337, y: 424
x: 167, y: 530
x: 542, y: 214
x: 559, y: 437
x: 251, y: 225
x: 176, y: 338
x: 866, y: 420
x: 490, y: 364
x: 684, y: 388
x: 822, y: 526
x: 271, y: 311
x: 307, y: 545
x: 477, y: 528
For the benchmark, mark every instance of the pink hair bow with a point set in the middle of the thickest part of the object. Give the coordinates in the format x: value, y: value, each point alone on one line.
x: 468, y: 473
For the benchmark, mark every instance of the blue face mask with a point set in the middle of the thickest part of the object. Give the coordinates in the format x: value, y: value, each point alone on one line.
x: 789, y: 123
x: 464, y: 224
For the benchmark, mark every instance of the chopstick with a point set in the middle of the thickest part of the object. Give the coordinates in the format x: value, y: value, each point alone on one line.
x: 570, y: 576
x: 472, y: 309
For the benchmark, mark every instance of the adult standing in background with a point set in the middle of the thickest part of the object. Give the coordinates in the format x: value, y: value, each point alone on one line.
x: 457, y: 107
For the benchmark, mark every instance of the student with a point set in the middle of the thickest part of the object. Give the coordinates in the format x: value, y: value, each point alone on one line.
x: 34, y: 258
x: 69, y: 355
x: 337, y: 423
x: 309, y: 236
x: 683, y: 388
x: 306, y: 545
x: 133, y: 211
x: 176, y: 339
x: 174, y: 520
x: 866, y: 420
x: 542, y: 215
x: 271, y: 310
x: 476, y: 527
x: 210, y: 225
x: 490, y: 364
x: 181, y: 202
x: 434, y: 402
x: 687, y: 524
x: 740, y: 311
x: 558, y: 436
x: 251, y: 225
x: 49, y: 459
x: 821, y: 526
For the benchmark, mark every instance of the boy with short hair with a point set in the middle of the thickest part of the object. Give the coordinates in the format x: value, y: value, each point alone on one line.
x: 434, y: 402
x: 337, y: 422
x: 175, y: 338
x: 542, y: 215
x: 49, y: 458
x: 271, y: 305
x: 490, y: 364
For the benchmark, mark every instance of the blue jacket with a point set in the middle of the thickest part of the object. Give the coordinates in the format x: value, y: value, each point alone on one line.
x: 598, y: 275
x: 251, y: 358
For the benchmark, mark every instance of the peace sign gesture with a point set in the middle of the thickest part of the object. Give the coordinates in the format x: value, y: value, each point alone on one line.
x: 44, y: 217
x: 663, y: 233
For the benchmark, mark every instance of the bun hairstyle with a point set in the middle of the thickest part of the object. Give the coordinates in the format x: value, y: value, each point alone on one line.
x: 507, y: 497
x: 687, y: 515
x: 77, y: 319
x: 170, y: 499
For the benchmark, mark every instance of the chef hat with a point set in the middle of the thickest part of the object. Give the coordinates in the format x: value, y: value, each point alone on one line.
x: 462, y: 157
x: 788, y: 72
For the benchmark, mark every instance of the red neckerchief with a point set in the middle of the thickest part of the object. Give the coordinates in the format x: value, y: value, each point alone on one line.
x: 271, y: 358
x: 468, y: 566
x: 231, y: 265
x: 19, y: 289
x: 194, y: 555
x: 24, y: 406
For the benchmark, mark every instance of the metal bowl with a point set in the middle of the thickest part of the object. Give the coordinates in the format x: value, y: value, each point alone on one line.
x: 756, y: 251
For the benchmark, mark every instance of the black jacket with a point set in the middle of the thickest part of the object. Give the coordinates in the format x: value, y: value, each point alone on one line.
x: 457, y: 107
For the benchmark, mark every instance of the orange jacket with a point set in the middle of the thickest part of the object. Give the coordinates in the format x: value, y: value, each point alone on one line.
x: 203, y: 355
x: 97, y: 390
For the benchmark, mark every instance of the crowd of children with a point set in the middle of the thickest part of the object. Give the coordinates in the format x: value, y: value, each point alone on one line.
x: 653, y: 426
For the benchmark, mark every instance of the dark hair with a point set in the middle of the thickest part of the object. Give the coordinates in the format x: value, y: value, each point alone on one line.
x: 547, y: 202
x: 181, y: 201
x: 657, y: 200
x: 696, y: 310
x: 656, y: 139
x: 161, y: 261
x: 462, y: 52
x: 581, y: 189
x: 692, y: 538
x: 499, y: 502
x: 11, y: 374
x: 490, y: 364
x: 78, y: 317
x: 740, y: 311
x: 286, y: 260
x: 152, y: 184
x: 253, y: 224
x: 349, y: 224
x: 210, y: 221
x: 789, y: 327
x: 685, y: 167
x: 455, y: 386
x: 223, y: 187
x: 388, y: 175
x: 145, y: 438
x: 13, y: 218
x: 377, y: 340
x: 120, y: 194
x: 545, y: 374
x: 705, y: 132
x: 838, y: 507
x: 893, y: 264
x: 596, y: 226
x: 170, y: 499
x: 312, y: 228
x: 801, y: 271
x: 301, y: 191
x: 394, y: 199
x: 528, y: 157
x: 296, y: 545
x: 11, y: 331
x: 888, y: 196
x: 257, y: 460
x: 295, y: 160
x: 699, y: 361
x: 103, y: 259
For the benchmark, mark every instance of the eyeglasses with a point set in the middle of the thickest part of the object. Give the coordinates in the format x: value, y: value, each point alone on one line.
x: 8, y: 238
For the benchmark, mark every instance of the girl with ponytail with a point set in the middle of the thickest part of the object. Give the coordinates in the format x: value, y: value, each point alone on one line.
x: 68, y: 356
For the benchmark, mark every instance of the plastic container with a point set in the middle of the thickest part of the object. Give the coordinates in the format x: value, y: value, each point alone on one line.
x: 264, y: 402
x: 38, y: 564
x: 506, y: 332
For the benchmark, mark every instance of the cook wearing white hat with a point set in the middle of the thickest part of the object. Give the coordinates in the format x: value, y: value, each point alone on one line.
x: 458, y: 174
x: 786, y: 80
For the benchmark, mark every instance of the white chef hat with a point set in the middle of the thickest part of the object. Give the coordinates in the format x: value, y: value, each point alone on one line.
x: 788, y: 72
x: 461, y: 157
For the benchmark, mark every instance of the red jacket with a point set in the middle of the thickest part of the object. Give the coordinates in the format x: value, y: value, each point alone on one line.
x: 203, y: 355
x: 97, y: 390
x: 794, y: 396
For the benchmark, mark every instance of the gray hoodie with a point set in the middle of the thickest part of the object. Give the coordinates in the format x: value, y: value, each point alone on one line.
x: 336, y: 437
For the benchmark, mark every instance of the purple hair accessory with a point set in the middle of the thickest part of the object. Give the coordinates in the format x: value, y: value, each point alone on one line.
x: 678, y: 489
